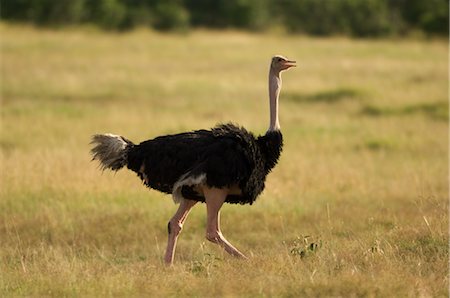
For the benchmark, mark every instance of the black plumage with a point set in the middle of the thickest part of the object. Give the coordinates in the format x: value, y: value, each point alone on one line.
x: 227, y: 155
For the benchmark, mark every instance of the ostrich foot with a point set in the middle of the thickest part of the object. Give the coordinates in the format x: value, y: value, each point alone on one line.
x: 218, y: 238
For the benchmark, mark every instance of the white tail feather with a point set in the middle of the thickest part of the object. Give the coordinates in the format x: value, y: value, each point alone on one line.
x: 110, y: 150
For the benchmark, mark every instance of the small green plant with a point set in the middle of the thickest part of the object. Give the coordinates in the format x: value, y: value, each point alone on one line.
x: 304, y: 246
x: 205, y: 265
x: 376, y: 248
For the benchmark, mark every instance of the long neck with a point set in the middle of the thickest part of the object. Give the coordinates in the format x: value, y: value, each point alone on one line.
x: 274, y: 93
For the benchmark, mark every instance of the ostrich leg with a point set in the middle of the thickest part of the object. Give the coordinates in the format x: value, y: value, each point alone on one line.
x: 214, y: 198
x: 175, y: 226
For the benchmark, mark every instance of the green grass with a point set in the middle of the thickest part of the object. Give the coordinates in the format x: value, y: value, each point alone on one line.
x: 327, y: 96
x: 434, y: 110
x: 356, y: 207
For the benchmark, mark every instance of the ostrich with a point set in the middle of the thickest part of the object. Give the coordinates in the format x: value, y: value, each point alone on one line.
x: 224, y: 164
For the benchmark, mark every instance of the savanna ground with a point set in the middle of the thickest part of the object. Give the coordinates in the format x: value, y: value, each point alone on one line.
x: 357, y: 205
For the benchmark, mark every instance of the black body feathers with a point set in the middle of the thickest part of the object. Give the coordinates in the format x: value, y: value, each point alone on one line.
x: 225, y: 156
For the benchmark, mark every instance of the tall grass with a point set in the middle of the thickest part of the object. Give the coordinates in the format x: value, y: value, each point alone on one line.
x: 357, y: 205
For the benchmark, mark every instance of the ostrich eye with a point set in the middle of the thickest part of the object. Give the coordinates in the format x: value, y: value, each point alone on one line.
x: 280, y: 59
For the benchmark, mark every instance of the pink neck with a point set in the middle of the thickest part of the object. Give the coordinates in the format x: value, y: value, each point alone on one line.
x: 274, y: 93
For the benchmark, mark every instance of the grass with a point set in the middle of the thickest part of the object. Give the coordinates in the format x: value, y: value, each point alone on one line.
x: 328, y: 96
x: 356, y: 207
x: 434, y: 110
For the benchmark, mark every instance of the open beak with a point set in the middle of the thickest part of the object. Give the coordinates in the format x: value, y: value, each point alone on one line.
x: 289, y: 63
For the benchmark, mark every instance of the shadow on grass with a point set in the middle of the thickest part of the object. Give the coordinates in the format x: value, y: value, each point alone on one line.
x: 436, y: 111
x: 328, y: 96
x: 378, y: 145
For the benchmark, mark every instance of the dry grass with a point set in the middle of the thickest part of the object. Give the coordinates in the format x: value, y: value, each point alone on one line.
x: 357, y: 206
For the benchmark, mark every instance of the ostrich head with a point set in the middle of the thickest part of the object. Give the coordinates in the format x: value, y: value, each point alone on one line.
x: 280, y: 63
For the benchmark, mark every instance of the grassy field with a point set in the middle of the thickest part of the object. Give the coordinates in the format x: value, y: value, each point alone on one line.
x: 358, y: 205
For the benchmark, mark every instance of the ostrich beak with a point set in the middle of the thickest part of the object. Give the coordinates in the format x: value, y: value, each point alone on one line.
x: 289, y: 63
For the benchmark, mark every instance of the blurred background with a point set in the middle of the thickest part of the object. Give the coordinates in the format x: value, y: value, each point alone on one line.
x: 356, y: 207
x: 316, y: 17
